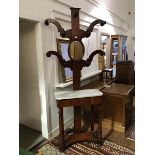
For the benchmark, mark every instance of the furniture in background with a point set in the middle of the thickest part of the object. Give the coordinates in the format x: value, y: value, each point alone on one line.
x: 118, y: 51
x: 117, y: 106
x: 76, y: 53
x: 110, y: 71
x: 99, y: 85
x: 125, y: 72
x: 115, y: 96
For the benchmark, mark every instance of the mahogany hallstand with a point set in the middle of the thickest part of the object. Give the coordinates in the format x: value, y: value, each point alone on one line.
x: 75, y: 36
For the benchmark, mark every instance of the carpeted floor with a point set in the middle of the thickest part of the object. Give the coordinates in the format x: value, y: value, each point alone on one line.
x: 85, y: 148
x: 115, y: 144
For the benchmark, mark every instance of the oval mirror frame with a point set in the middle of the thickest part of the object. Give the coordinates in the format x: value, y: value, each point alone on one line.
x: 76, y: 50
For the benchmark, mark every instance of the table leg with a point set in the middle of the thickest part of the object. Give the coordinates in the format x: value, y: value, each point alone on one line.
x: 111, y: 74
x: 106, y: 75
x: 92, y: 117
x: 61, y: 129
x: 100, y: 125
x: 77, y: 119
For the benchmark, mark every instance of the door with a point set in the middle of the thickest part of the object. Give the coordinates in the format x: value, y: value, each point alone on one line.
x: 103, y: 60
x: 33, y: 111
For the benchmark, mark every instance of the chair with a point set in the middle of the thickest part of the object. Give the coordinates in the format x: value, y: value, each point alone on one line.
x: 110, y: 71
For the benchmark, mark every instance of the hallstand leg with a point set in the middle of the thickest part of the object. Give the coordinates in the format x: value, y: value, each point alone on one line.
x: 100, y: 125
x: 77, y: 119
x: 92, y: 117
x: 61, y: 130
x: 111, y: 74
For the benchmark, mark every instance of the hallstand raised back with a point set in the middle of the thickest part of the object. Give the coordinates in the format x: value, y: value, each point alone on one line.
x: 75, y: 35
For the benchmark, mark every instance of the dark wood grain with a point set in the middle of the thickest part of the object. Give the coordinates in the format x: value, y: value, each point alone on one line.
x: 88, y: 32
x: 125, y: 72
x: 61, y: 129
x: 57, y: 24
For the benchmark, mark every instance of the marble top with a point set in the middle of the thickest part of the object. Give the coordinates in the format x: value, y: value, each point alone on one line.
x: 77, y: 94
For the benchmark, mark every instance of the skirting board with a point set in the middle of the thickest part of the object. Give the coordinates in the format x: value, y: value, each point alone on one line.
x: 67, y: 124
x: 116, y: 125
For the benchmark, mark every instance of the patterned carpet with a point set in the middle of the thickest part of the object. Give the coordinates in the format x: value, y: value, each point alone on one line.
x: 85, y: 148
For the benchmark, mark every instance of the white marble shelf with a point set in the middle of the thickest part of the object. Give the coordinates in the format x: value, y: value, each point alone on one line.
x: 77, y: 94
x: 63, y: 85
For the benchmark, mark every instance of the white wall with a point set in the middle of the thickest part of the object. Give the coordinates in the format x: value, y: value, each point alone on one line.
x: 115, y: 13
x: 131, y: 32
x: 29, y: 100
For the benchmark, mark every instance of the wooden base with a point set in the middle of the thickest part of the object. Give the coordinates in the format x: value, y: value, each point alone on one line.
x: 81, y: 137
x: 113, y: 125
x: 78, y: 133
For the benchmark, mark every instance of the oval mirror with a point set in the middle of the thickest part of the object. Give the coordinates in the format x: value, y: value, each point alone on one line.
x: 76, y: 50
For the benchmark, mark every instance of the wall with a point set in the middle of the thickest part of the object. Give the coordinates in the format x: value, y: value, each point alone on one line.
x: 115, y: 13
x: 131, y: 32
x: 29, y: 100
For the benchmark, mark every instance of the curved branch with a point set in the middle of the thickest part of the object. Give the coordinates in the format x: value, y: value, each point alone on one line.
x: 90, y: 28
x: 89, y: 60
x: 63, y: 62
x: 57, y: 24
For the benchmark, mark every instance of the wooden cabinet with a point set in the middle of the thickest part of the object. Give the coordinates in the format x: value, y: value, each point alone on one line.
x: 125, y: 72
x: 118, y: 50
x: 117, y: 107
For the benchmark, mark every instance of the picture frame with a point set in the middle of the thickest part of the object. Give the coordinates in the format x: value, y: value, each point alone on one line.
x: 64, y: 74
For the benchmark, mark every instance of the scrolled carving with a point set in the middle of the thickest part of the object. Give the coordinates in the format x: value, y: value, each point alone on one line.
x: 57, y: 24
x: 68, y: 33
x: 62, y: 61
x: 89, y: 60
x: 90, y: 28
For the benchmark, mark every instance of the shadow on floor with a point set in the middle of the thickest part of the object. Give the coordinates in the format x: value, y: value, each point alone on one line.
x: 28, y: 137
